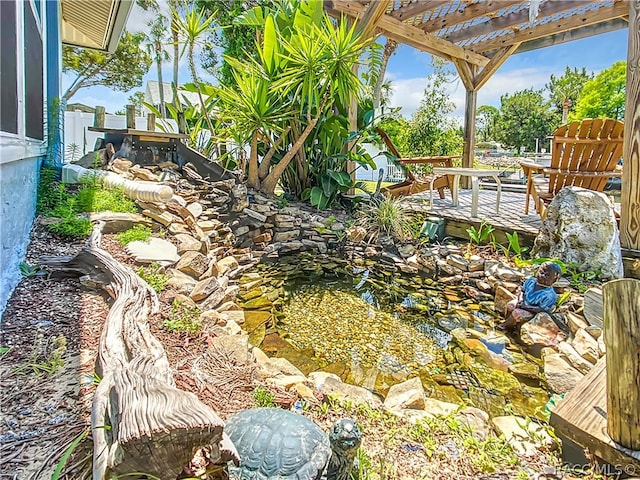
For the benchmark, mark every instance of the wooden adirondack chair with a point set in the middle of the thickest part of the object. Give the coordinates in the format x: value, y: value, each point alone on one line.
x: 413, y: 184
x: 585, y: 153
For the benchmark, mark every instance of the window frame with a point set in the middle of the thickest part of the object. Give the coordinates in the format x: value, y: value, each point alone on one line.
x: 17, y: 146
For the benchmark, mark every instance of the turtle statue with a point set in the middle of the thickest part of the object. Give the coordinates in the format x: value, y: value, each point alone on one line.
x: 273, y: 443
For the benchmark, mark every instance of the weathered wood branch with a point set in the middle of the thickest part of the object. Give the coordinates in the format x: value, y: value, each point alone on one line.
x: 140, y: 421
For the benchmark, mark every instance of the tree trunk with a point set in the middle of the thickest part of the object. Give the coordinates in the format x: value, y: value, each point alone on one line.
x: 163, y: 110
x: 389, y: 48
x: 140, y: 421
x: 269, y: 183
x: 265, y: 165
x: 253, y: 180
x: 176, y: 53
x: 194, y: 75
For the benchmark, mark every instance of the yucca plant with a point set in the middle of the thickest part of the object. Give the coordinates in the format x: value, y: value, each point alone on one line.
x: 386, y: 216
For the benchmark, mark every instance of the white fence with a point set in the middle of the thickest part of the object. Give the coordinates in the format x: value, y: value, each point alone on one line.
x: 78, y: 140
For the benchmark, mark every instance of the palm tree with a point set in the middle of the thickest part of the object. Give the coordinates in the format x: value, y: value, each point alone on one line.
x: 155, y: 47
x: 193, y: 26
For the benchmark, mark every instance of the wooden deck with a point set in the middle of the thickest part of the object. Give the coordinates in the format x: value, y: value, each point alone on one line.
x: 510, y: 218
x: 581, y: 417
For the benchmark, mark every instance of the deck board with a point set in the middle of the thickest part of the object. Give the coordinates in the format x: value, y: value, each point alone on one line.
x: 582, y: 418
x: 510, y: 218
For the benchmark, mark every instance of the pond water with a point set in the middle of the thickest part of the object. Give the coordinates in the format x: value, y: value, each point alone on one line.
x: 375, y: 327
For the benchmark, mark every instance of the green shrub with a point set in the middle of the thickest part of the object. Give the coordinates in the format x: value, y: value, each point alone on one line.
x: 72, y: 227
x: 154, y: 276
x: 138, y: 232
x: 386, y: 216
x: 263, y: 397
x: 94, y: 197
x: 49, y: 191
x: 184, y: 318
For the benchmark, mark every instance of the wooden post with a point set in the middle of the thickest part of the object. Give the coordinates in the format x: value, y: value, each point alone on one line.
x: 469, y: 133
x: 621, y: 312
x: 98, y: 117
x: 131, y: 116
x: 151, y: 122
x: 630, y: 201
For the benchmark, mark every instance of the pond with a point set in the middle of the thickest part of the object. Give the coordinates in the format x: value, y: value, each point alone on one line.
x: 375, y: 327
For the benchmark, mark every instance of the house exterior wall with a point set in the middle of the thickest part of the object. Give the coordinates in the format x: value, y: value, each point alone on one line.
x: 32, y: 28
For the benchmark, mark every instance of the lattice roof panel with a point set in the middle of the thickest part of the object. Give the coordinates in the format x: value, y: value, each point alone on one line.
x: 474, y: 30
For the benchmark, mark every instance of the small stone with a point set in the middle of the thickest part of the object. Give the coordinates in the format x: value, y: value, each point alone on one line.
x: 195, y: 209
x: 226, y: 264
x: 586, y: 346
x: 154, y: 250
x: 408, y: 394
x: 458, y: 261
x: 193, y: 263
x: 204, y: 288
x: 255, y: 215
x: 187, y: 243
x: 541, y: 330
x: 525, y: 437
x: 560, y: 375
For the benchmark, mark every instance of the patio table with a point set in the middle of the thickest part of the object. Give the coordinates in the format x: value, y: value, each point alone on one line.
x: 476, y: 174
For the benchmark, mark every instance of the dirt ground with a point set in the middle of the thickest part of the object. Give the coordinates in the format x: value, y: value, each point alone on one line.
x: 49, y: 334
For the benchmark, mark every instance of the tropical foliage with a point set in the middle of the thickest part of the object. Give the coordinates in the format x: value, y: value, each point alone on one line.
x: 289, y: 103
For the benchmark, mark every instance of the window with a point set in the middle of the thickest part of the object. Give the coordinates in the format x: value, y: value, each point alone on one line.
x: 33, y: 78
x: 8, y: 68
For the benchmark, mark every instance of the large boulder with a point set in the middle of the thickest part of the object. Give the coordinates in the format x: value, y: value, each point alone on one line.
x: 580, y: 227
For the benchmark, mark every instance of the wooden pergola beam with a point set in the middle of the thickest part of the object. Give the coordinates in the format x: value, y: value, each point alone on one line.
x: 577, y: 34
x: 368, y: 22
x: 630, y: 200
x: 416, y: 8
x: 507, y: 21
x: 497, y: 60
x: 617, y: 10
x: 396, y: 30
x: 469, y: 13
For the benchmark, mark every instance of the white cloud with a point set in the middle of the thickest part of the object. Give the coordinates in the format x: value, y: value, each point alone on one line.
x: 408, y: 92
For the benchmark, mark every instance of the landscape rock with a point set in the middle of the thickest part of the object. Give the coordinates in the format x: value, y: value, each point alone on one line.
x: 560, y: 375
x: 204, y: 288
x: 580, y: 227
x: 356, y: 394
x: 541, y: 330
x: 586, y: 346
x: 187, y: 243
x: 574, y: 358
x: 236, y: 346
x: 116, y: 222
x: 154, y: 250
x: 525, y: 437
x: 408, y: 394
x: 193, y: 263
x: 438, y: 408
x: 475, y: 419
x: 502, y: 298
x: 181, y: 282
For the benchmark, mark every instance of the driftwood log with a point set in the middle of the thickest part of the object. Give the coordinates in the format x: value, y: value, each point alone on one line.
x: 141, y: 422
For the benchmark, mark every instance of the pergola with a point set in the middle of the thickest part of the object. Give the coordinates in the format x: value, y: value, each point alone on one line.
x: 478, y: 36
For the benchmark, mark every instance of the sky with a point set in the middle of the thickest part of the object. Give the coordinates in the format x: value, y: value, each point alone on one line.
x: 408, y: 69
